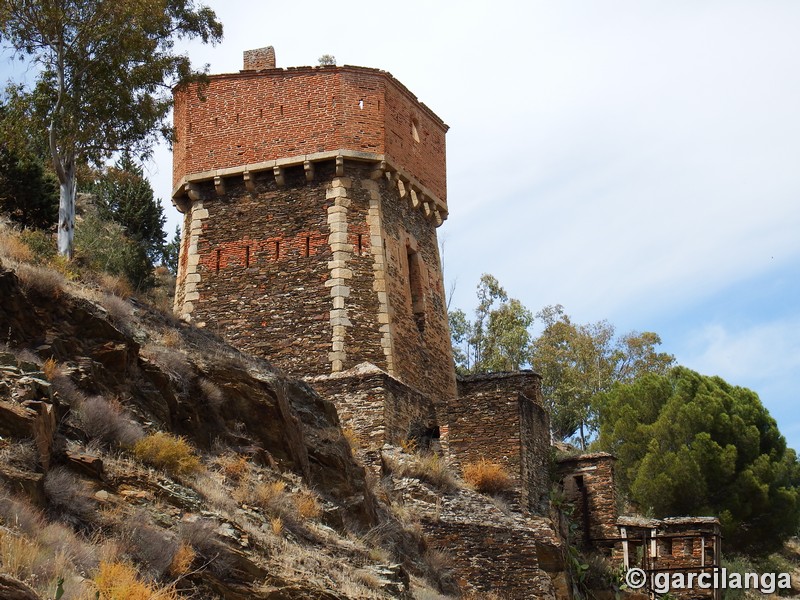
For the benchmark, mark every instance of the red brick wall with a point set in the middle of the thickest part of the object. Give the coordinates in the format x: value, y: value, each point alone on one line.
x: 250, y: 117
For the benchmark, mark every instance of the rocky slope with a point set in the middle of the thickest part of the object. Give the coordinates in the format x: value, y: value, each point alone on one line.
x: 265, y: 501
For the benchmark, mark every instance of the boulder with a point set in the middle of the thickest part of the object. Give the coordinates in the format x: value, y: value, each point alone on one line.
x: 14, y: 589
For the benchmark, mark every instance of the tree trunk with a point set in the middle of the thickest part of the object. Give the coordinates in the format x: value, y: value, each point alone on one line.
x: 66, y: 209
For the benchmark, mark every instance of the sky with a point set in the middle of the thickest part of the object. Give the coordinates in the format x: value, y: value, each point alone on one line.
x: 636, y: 161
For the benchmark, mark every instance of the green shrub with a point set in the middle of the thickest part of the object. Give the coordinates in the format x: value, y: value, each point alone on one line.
x: 103, y: 246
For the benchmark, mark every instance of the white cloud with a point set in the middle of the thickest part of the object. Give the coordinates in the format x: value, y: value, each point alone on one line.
x: 760, y: 352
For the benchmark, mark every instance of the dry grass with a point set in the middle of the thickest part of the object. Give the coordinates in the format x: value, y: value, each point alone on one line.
x: 69, y: 496
x: 430, y: 468
x: 115, y: 284
x: 171, y: 453
x: 276, y: 526
x: 41, y: 279
x: 17, y: 555
x: 352, y: 440
x: 108, y: 422
x: 43, y: 555
x: 235, y: 467
x: 208, y: 485
x: 199, y: 534
x: 308, y: 505
x: 487, y: 477
x: 152, y: 548
x: 119, y: 581
x: 13, y: 248
x: 120, y: 311
x: 19, y: 514
x: 409, y: 446
x: 172, y: 361
x: 67, y: 391
x: 21, y: 455
x: 270, y: 496
x: 171, y: 339
x: 212, y: 393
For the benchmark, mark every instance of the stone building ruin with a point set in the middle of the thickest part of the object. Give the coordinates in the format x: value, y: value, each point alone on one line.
x: 311, y: 197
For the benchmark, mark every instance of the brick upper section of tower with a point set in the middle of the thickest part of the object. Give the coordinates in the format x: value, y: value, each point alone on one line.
x: 260, y: 115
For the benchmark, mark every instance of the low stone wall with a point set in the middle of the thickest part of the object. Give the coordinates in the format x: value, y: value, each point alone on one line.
x: 499, y: 417
x: 379, y: 409
x: 489, y: 550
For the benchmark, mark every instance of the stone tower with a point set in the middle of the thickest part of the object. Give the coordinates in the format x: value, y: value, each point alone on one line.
x: 311, y: 198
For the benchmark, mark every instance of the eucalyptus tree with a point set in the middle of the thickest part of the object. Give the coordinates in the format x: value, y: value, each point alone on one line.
x: 105, y: 71
x: 578, y: 361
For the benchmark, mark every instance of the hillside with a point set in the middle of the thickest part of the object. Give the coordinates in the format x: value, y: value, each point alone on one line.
x: 263, y: 499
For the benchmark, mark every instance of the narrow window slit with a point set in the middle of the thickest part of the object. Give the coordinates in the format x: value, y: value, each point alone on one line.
x: 281, y: 109
x: 308, y: 245
x: 247, y: 257
x: 277, y: 249
x: 416, y: 288
x: 360, y: 243
x: 219, y: 255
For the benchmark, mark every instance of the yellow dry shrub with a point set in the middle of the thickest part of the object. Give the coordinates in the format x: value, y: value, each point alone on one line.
x: 234, y: 466
x: 269, y: 495
x: 118, y: 581
x: 168, y: 452
x: 115, y: 284
x: 276, y: 524
x: 307, y: 504
x: 182, y: 560
x: 51, y: 369
x: 13, y: 248
x: 351, y: 438
x: 17, y: 554
x: 487, y: 477
x: 409, y: 446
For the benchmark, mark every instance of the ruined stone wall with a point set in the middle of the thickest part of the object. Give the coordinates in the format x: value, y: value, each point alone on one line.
x: 536, y: 455
x: 256, y: 116
x: 671, y: 545
x: 500, y: 417
x: 489, y: 550
x: 379, y: 409
x: 588, y: 483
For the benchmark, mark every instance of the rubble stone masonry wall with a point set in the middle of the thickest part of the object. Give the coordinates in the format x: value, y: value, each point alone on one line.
x: 499, y: 417
x: 379, y: 409
x: 315, y: 275
x: 588, y: 482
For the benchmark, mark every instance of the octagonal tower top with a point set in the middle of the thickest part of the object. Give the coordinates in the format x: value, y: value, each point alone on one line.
x: 263, y: 117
